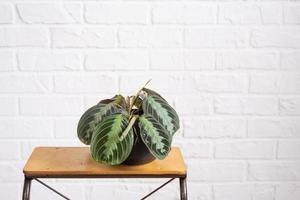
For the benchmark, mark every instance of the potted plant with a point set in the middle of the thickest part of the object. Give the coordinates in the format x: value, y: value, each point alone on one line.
x: 132, y: 130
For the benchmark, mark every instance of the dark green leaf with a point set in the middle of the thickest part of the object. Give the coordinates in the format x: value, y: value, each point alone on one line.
x: 155, y: 136
x: 95, y: 114
x: 107, y: 146
x: 118, y: 100
x: 160, y: 109
x: 152, y: 92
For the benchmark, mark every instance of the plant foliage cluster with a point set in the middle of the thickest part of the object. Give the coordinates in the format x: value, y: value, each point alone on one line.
x: 108, y: 127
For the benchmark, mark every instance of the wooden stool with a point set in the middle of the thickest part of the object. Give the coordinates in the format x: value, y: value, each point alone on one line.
x: 76, y: 162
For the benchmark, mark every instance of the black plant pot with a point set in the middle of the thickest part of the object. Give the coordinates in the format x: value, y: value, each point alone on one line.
x: 140, y: 154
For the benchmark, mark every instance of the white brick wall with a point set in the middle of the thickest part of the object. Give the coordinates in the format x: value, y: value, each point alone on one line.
x: 231, y: 69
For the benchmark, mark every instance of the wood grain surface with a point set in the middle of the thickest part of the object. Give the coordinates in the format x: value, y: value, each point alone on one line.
x: 77, y: 162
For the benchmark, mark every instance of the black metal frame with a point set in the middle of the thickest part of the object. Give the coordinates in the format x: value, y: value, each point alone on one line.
x: 27, y: 186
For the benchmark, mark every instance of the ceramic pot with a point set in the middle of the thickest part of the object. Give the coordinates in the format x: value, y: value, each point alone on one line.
x: 139, y: 154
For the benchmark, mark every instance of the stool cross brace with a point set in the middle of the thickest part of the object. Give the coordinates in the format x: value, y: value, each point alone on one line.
x: 27, y: 186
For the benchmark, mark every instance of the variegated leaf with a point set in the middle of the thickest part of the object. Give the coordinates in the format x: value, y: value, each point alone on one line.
x: 152, y: 92
x: 160, y: 109
x: 155, y: 136
x: 95, y: 114
x: 106, y: 145
x: 117, y: 100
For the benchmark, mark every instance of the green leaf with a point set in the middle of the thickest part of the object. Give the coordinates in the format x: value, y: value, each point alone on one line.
x: 94, y: 115
x: 107, y: 146
x: 152, y: 92
x: 117, y: 100
x: 155, y: 136
x: 160, y: 109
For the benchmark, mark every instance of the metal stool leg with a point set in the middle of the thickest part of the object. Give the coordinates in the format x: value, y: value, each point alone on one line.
x: 26, y: 188
x: 183, y: 188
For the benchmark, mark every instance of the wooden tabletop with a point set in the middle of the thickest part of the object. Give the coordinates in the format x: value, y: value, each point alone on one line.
x: 76, y: 162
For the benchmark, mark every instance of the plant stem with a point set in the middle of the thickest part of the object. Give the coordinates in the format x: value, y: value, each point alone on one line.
x: 135, y: 97
x: 132, y: 118
x: 126, y: 131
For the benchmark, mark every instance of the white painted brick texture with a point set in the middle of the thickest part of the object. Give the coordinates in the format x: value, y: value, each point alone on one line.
x: 230, y: 68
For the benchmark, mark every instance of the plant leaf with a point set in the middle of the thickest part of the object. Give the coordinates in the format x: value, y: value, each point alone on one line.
x: 118, y: 100
x: 155, y: 136
x: 106, y: 145
x: 94, y: 115
x: 160, y: 109
x: 152, y: 92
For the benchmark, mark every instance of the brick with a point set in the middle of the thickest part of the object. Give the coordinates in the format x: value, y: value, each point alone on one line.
x: 185, y: 107
x: 150, y: 37
x: 246, y: 105
x: 6, y: 11
x: 274, y: 171
x: 247, y: 60
x: 186, y: 83
x: 275, y: 37
x: 199, y: 60
x: 289, y: 149
x: 200, y: 191
x: 85, y: 83
x: 252, y: 149
x: 271, y: 13
x: 29, y: 145
x: 264, y: 83
x: 9, y: 150
x: 162, y: 83
x: 130, y: 191
x: 220, y: 83
x: 116, y: 60
x: 239, y: 14
x: 66, y: 128
x: 166, y: 60
x: 49, y: 13
x: 7, y: 62
x: 214, y: 128
x: 83, y: 37
x: 170, y: 192
x: 12, y: 172
x: 10, y: 191
x: 290, y: 60
x: 290, y: 191
x: 74, y: 191
x: 261, y: 105
x: 289, y: 106
x: 51, y: 105
x: 134, y: 37
x: 91, y: 100
x: 200, y: 14
x: 23, y: 37
x: 270, y: 127
x: 291, y: 14
x: 116, y: 13
x: 8, y: 106
x: 215, y: 38
x: 194, y: 148
x: 168, y: 13
x: 215, y: 171
x: 26, y: 128
x: 184, y: 14
x: 48, y: 61
x: 25, y: 83
x: 243, y: 191
x: 289, y: 83
x: 228, y: 105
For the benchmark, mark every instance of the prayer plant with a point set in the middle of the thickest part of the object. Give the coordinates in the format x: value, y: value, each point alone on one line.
x: 108, y: 127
